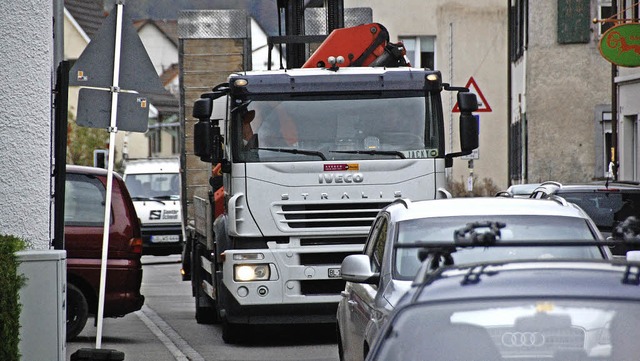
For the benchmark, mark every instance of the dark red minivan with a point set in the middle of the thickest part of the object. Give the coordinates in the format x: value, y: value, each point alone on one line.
x: 85, y: 198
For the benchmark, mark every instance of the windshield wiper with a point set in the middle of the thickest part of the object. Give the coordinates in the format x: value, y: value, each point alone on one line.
x: 167, y: 197
x: 296, y: 151
x: 147, y: 199
x: 372, y: 152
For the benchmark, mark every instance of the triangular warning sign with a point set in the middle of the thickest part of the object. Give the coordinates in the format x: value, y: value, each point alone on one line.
x: 483, y: 104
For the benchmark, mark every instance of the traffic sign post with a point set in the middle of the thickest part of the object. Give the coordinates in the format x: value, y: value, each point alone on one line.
x: 112, y: 100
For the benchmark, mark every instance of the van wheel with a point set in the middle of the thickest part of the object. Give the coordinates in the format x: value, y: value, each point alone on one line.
x: 77, y: 311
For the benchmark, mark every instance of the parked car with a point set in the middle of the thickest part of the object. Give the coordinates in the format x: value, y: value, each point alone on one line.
x: 377, y: 278
x: 517, y: 310
x: 607, y: 203
x: 85, y: 195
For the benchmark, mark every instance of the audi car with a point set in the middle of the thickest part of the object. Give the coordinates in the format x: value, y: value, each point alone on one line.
x: 520, y: 310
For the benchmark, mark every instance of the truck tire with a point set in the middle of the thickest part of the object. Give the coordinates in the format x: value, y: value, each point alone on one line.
x: 231, y: 333
x: 206, y: 312
x: 77, y: 311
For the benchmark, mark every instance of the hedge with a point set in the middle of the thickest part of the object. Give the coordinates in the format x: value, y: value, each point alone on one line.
x: 10, y: 284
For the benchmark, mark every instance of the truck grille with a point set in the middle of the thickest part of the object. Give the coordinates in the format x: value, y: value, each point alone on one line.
x: 329, y: 215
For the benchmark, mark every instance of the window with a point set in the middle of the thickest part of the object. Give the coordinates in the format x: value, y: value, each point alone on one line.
x: 375, y: 249
x: 604, y: 11
x: 155, y: 143
x: 518, y: 28
x: 574, y: 21
x: 84, y: 201
x: 420, y: 50
x: 516, y: 145
x: 606, y: 137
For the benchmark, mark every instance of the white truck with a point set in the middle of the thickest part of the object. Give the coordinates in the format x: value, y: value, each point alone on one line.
x: 286, y: 179
x: 154, y: 185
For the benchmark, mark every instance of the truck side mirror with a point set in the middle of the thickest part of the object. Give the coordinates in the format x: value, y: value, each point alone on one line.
x: 467, y: 102
x: 207, y: 142
x: 202, y: 108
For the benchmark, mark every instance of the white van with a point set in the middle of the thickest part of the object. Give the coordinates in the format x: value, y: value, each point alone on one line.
x: 154, y: 185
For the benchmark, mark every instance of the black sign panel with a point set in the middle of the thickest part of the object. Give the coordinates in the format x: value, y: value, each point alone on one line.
x: 94, y: 110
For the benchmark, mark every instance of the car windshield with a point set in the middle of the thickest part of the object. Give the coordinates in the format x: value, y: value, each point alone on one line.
x: 521, y: 329
x: 305, y: 129
x: 518, y: 227
x: 154, y: 186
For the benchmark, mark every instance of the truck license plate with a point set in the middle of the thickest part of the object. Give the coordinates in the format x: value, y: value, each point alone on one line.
x: 165, y: 238
x: 334, y: 272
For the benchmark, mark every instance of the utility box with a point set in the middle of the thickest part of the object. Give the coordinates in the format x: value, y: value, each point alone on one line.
x: 43, y: 298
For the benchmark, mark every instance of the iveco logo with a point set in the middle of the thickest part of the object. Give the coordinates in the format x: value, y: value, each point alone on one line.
x: 522, y: 339
x: 340, y: 178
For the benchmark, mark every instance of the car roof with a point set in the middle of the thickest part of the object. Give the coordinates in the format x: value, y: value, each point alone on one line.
x: 481, y: 206
x: 81, y: 169
x: 600, y: 186
x: 152, y: 165
x: 532, y: 279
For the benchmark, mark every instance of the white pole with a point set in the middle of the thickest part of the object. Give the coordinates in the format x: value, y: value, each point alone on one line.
x: 112, y: 141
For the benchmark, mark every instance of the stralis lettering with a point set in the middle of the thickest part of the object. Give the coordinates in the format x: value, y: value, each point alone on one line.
x: 340, y: 178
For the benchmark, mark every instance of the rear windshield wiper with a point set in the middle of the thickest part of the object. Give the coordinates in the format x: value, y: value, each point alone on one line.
x: 372, y: 152
x: 296, y: 151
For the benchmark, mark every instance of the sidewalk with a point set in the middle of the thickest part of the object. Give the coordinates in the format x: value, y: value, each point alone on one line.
x: 127, y: 334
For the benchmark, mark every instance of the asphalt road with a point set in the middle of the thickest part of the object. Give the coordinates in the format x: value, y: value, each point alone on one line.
x: 165, y: 328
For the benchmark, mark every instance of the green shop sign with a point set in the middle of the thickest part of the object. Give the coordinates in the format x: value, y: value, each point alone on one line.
x: 621, y: 45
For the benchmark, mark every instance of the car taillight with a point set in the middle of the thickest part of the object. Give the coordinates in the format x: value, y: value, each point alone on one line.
x: 136, y: 245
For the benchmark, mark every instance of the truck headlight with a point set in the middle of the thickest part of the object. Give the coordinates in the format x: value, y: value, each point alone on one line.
x: 251, y: 272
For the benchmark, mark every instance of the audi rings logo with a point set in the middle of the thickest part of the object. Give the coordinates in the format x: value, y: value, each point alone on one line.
x: 522, y: 339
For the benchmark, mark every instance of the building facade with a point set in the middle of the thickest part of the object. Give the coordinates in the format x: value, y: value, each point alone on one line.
x: 560, y: 92
x: 467, y: 42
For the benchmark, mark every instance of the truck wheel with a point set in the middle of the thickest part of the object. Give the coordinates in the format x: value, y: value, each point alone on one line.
x: 205, y: 312
x: 77, y: 311
x: 231, y: 333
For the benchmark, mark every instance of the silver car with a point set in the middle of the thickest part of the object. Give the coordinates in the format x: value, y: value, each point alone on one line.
x: 377, y: 278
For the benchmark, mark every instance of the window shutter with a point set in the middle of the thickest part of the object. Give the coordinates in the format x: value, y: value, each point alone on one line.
x: 574, y: 18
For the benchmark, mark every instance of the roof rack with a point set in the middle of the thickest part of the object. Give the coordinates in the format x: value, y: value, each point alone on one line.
x: 404, y: 202
x: 504, y: 194
x: 545, y: 183
x: 558, y: 199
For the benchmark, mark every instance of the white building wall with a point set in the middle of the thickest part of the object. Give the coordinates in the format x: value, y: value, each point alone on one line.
x: 471, y: 41
x: 162, y: 52
x: 25, y: 121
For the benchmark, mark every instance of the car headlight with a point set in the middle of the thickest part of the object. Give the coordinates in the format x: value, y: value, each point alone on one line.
x: 251, y: 272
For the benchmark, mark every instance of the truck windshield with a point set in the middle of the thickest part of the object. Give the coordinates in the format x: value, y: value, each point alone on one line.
x: 337, y: 129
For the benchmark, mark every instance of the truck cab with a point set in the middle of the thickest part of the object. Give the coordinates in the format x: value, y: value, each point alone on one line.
x: 154, y: 185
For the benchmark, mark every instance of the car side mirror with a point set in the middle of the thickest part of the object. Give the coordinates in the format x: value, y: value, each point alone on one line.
x: 357, y: 268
